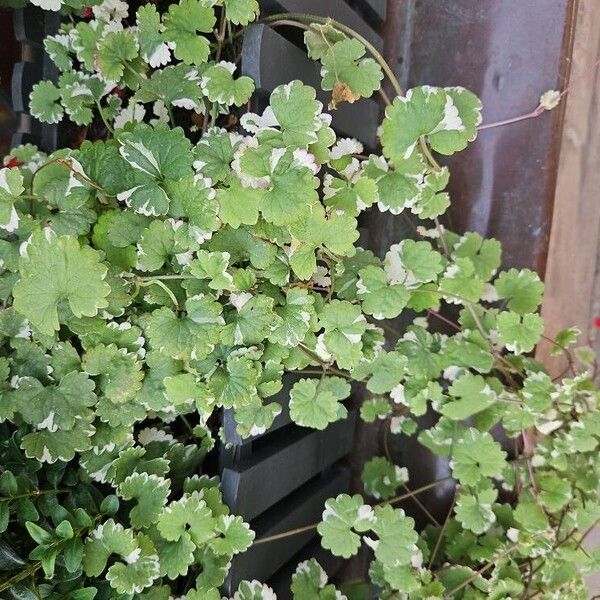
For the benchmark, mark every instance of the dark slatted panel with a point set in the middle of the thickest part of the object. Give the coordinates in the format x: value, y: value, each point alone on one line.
x: 336, y: 9
x: 271, y: 60
x: 31, y: 25
x: 288, y: 459
x: 372, y: 11
x: 304, y: 507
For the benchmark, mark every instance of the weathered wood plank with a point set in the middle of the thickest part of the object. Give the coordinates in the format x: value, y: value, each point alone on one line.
x: 271, y: 60
x: 292, y: 456
x: 336, y: 9
x: 572, y: 277
x: 303, y: 508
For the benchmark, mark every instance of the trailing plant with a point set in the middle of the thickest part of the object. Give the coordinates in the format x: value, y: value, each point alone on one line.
x: 190, y: 254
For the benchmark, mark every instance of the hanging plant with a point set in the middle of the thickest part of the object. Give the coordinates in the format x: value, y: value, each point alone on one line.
x: 191, y: 254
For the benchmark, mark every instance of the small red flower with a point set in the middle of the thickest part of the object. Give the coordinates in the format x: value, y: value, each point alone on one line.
x: 597, y: 322
x: 87, y: 12
x: 13, y: 163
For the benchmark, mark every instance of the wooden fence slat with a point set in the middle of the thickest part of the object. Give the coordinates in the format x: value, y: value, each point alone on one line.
x: 293, y: 456
x: 271, y: 60
x: 303, y: 508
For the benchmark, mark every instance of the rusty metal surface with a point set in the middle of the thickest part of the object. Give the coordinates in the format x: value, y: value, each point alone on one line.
x: 508, y: 52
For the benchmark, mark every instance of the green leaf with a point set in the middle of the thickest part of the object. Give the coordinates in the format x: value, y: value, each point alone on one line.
x: 255, y: 418
x: 190, y: 516
x: 471, y: 394
x: 315, y: 403
x: 234, y: 536
x: 239, y: 205
x: 241, y: 12
x: 11, y: 187
x: 310, y: 581
x: 181, y: 26
x: 158, y: 152
x: 234, y: 384
x: 219, y: 85
x: 49, y: 446
x: 342, y: 518
x: 150, y: 493
x: 134, y: 577
x: 152, y: 48
x: 459, y: 282
x: 565, y: 338
x: 251, y: 323
x: 343, y: 325
x: 381, y: 478
x: 378, y: 298
x: 319, y: 39
x: 119, y: 373
x: 484, y: 254
x: 184, y: 337
x: 297, y: 315
x: 55, y: 407
x: 212, y: 266
x: 290, y: 181
x: 39, y: 534
x: 182, y: 389
x: 348, y: 74
x: 375, y: 408
x: 519, y: 334
x: 474, y: 512
x: 297, y: 112
x: 448, y: 116
x: 44, y: 102
x: 555, y: 492
x: 450, y: 135
x: 396, y: 545
x: 530, y: 515
x: 54, y: 269
x: 175, y: 558
x: 387, y: 371
x: 176, y: 85
x: 156, y: 245
x: 214, y: 152
x: 411, y: 263
x: 523, y: 289
x: 476, y: 455
x: 253, y: 590
x: 115, y: 51
x: 58, y: 49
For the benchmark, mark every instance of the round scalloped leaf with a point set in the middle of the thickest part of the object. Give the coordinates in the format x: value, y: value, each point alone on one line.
x: 181, y: 26
x: 315, y: 402
x: 44, y: 102
x: 219, y: 85
x: 115, y: 51
x: 241, y: 12
x: 53, y: 269
x: 342, y: 518
x: 150, y: 493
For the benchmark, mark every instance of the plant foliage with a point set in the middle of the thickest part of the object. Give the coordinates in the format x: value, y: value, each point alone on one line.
x: 190, y: 255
